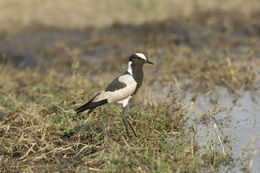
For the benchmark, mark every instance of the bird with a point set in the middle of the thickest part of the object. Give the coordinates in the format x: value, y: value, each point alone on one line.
x: 121, y: 89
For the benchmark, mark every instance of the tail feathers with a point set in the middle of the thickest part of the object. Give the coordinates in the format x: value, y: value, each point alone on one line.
x: 91, y: 110
x: 84, y: 107
x: 90, y: 106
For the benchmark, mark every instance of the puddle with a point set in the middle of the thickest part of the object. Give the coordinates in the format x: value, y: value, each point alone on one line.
x: 244, y: 125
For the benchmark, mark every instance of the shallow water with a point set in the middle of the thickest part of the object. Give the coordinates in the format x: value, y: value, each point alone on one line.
x: 244, y: 123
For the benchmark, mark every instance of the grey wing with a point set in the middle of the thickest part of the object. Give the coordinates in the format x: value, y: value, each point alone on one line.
x: 115, y: 85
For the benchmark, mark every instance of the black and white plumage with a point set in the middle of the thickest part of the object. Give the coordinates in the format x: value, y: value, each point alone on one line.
x: 121, y: 89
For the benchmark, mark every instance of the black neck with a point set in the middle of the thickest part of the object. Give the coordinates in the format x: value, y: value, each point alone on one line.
x: 138, y: 73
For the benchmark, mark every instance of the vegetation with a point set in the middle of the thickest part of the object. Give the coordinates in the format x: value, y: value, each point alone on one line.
x: 40, y: 130
x: 51, y: 62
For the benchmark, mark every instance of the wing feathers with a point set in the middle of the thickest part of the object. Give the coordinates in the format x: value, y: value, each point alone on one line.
x: 91, y: 105
x: 119, y: 89
x: 115, y: 85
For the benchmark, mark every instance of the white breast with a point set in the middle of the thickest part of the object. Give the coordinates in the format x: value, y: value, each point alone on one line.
x: 125, y: 101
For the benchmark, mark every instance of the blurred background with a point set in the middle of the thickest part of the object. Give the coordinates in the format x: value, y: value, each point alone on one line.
x: 32, y: 31
x: 17, y: 14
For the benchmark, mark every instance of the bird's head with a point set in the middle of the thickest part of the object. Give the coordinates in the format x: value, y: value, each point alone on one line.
x: 139, y: 59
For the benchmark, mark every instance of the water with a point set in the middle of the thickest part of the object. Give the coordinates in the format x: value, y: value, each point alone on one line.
x: 244, y: 124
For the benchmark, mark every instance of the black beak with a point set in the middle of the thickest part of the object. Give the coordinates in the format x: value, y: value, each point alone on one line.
x: 149, y: 62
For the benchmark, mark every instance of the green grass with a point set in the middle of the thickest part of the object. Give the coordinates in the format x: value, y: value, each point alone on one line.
x: 40, y: 131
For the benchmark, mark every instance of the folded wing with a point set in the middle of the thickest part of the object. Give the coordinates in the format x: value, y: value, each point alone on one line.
x: 119, y: 89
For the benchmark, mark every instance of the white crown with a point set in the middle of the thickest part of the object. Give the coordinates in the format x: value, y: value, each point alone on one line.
x: 141, y: 55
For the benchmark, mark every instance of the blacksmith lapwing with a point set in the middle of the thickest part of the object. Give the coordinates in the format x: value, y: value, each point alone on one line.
x: 121, y: 89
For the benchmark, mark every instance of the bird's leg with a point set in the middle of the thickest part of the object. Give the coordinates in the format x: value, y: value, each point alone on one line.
x: 131, y: 127
x: 126, y: 120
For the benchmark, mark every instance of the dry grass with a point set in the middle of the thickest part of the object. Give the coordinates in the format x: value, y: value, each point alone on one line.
x: 207, y: 73
x: 16, y: 14
x: 40, y: 131
x: 193, y: 46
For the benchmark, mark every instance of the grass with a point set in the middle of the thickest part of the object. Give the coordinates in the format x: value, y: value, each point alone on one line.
x: 79, y: 13
x: 40, y: 130
x: 194, y: 48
